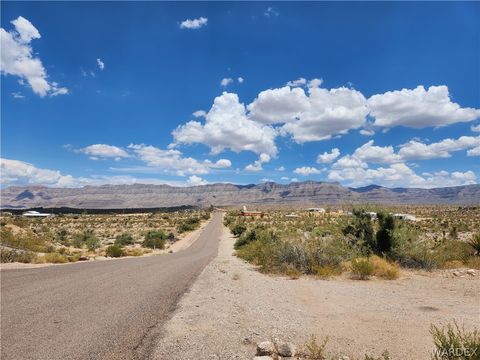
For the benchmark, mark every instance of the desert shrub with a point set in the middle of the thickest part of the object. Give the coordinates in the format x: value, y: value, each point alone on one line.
x: 183, y: 227
x: 124, y: 239
x: 155, y: 239
x: 292, y: 272
x: 238, y: 229
x: 453, y: 264
x: 454, y: 342
x: 473, y: 262
x: 384, y: 236
x: 25, y: 241
x: 362, y: 268
x: 73, y: 257
x: 61, y: 237
x: 206, y: 215
x: 384, y: 269
x: 385, y: 356
x: 114, y: 251
x: 55, y: 258
x: 134, y: 252
x: 409, y: 251
x: 86, y: 239
x: 247, y: 237
x: 11, y: 255
x: 312, y: 350
x: 451, y: 250
x: 326, y: 271
x: 474, y: 242
x: 360, y: 227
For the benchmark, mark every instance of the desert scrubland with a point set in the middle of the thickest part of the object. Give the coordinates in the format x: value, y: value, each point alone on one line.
x: 70, y: 238
x: 335, y: 285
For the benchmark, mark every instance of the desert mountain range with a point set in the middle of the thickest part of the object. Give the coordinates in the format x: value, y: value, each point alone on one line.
x: 308, y: 193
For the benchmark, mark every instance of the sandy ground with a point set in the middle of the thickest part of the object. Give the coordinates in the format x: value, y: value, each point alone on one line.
x: 184, y: 242
x: 231, y: 307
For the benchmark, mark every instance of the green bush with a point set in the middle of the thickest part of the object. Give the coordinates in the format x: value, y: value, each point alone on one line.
x: 247, y: 237
x: 11, y: 255
x: 155, y: 239
x: 124, y: 239
x: 188, y: 224
x: 455, y: 343
x: 114, y: 251
x: 86, y: 239
x: 362, y: 268
x: 238, y: 229
x: 361, y: 228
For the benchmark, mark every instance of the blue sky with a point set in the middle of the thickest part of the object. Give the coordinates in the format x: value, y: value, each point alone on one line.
x: 359, y: 93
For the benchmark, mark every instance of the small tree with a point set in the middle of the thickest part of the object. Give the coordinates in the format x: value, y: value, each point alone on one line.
x: 384, y: 235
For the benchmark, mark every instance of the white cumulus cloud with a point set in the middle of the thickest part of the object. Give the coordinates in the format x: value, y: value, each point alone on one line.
x: 399, y: 175
x: 17, y: 58
x: 415, y: 150
x: 20, y: 172
x: 103, y: 151
x: 306, y: 170
x: 228, y: 127
x: 195, y: 180
x: 328, y: 157
x: 194, y: 23
x: 226, y: 81
x: 101, y: 64
x: 313, y: 116
x: 418, y: 108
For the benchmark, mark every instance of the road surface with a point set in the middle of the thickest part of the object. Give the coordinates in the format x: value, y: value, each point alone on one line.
x: 100, y: 310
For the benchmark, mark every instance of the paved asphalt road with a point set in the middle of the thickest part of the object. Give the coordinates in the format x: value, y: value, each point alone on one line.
x: 100, y: 310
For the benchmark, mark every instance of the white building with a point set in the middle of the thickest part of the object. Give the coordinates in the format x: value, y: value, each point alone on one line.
x: 320, y: 210
x: 405, y: 217
x: 32, y: 213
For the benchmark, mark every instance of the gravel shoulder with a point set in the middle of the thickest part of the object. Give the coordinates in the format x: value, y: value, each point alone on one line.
x: 231, y: 307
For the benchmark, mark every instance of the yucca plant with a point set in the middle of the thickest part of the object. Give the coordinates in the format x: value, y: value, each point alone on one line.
x: 475, y: 244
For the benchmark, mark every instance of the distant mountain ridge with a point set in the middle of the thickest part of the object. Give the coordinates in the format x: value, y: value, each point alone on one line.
x: 224, y: 194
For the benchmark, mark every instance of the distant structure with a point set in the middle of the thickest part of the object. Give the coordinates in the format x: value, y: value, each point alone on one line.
x: 317, y: 210
x: 292, y: 216
x: 405, y: 217
x: 251, y: 213
x: 373, y: 215
x: 32, y: 213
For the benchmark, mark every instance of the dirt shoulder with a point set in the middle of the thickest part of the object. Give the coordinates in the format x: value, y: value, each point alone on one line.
x: 231, y: 307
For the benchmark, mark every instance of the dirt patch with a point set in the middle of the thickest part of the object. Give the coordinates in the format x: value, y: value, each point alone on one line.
x: 231, y: 307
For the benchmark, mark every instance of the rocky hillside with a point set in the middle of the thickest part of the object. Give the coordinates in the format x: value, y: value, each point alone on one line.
x: 307, y: 193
